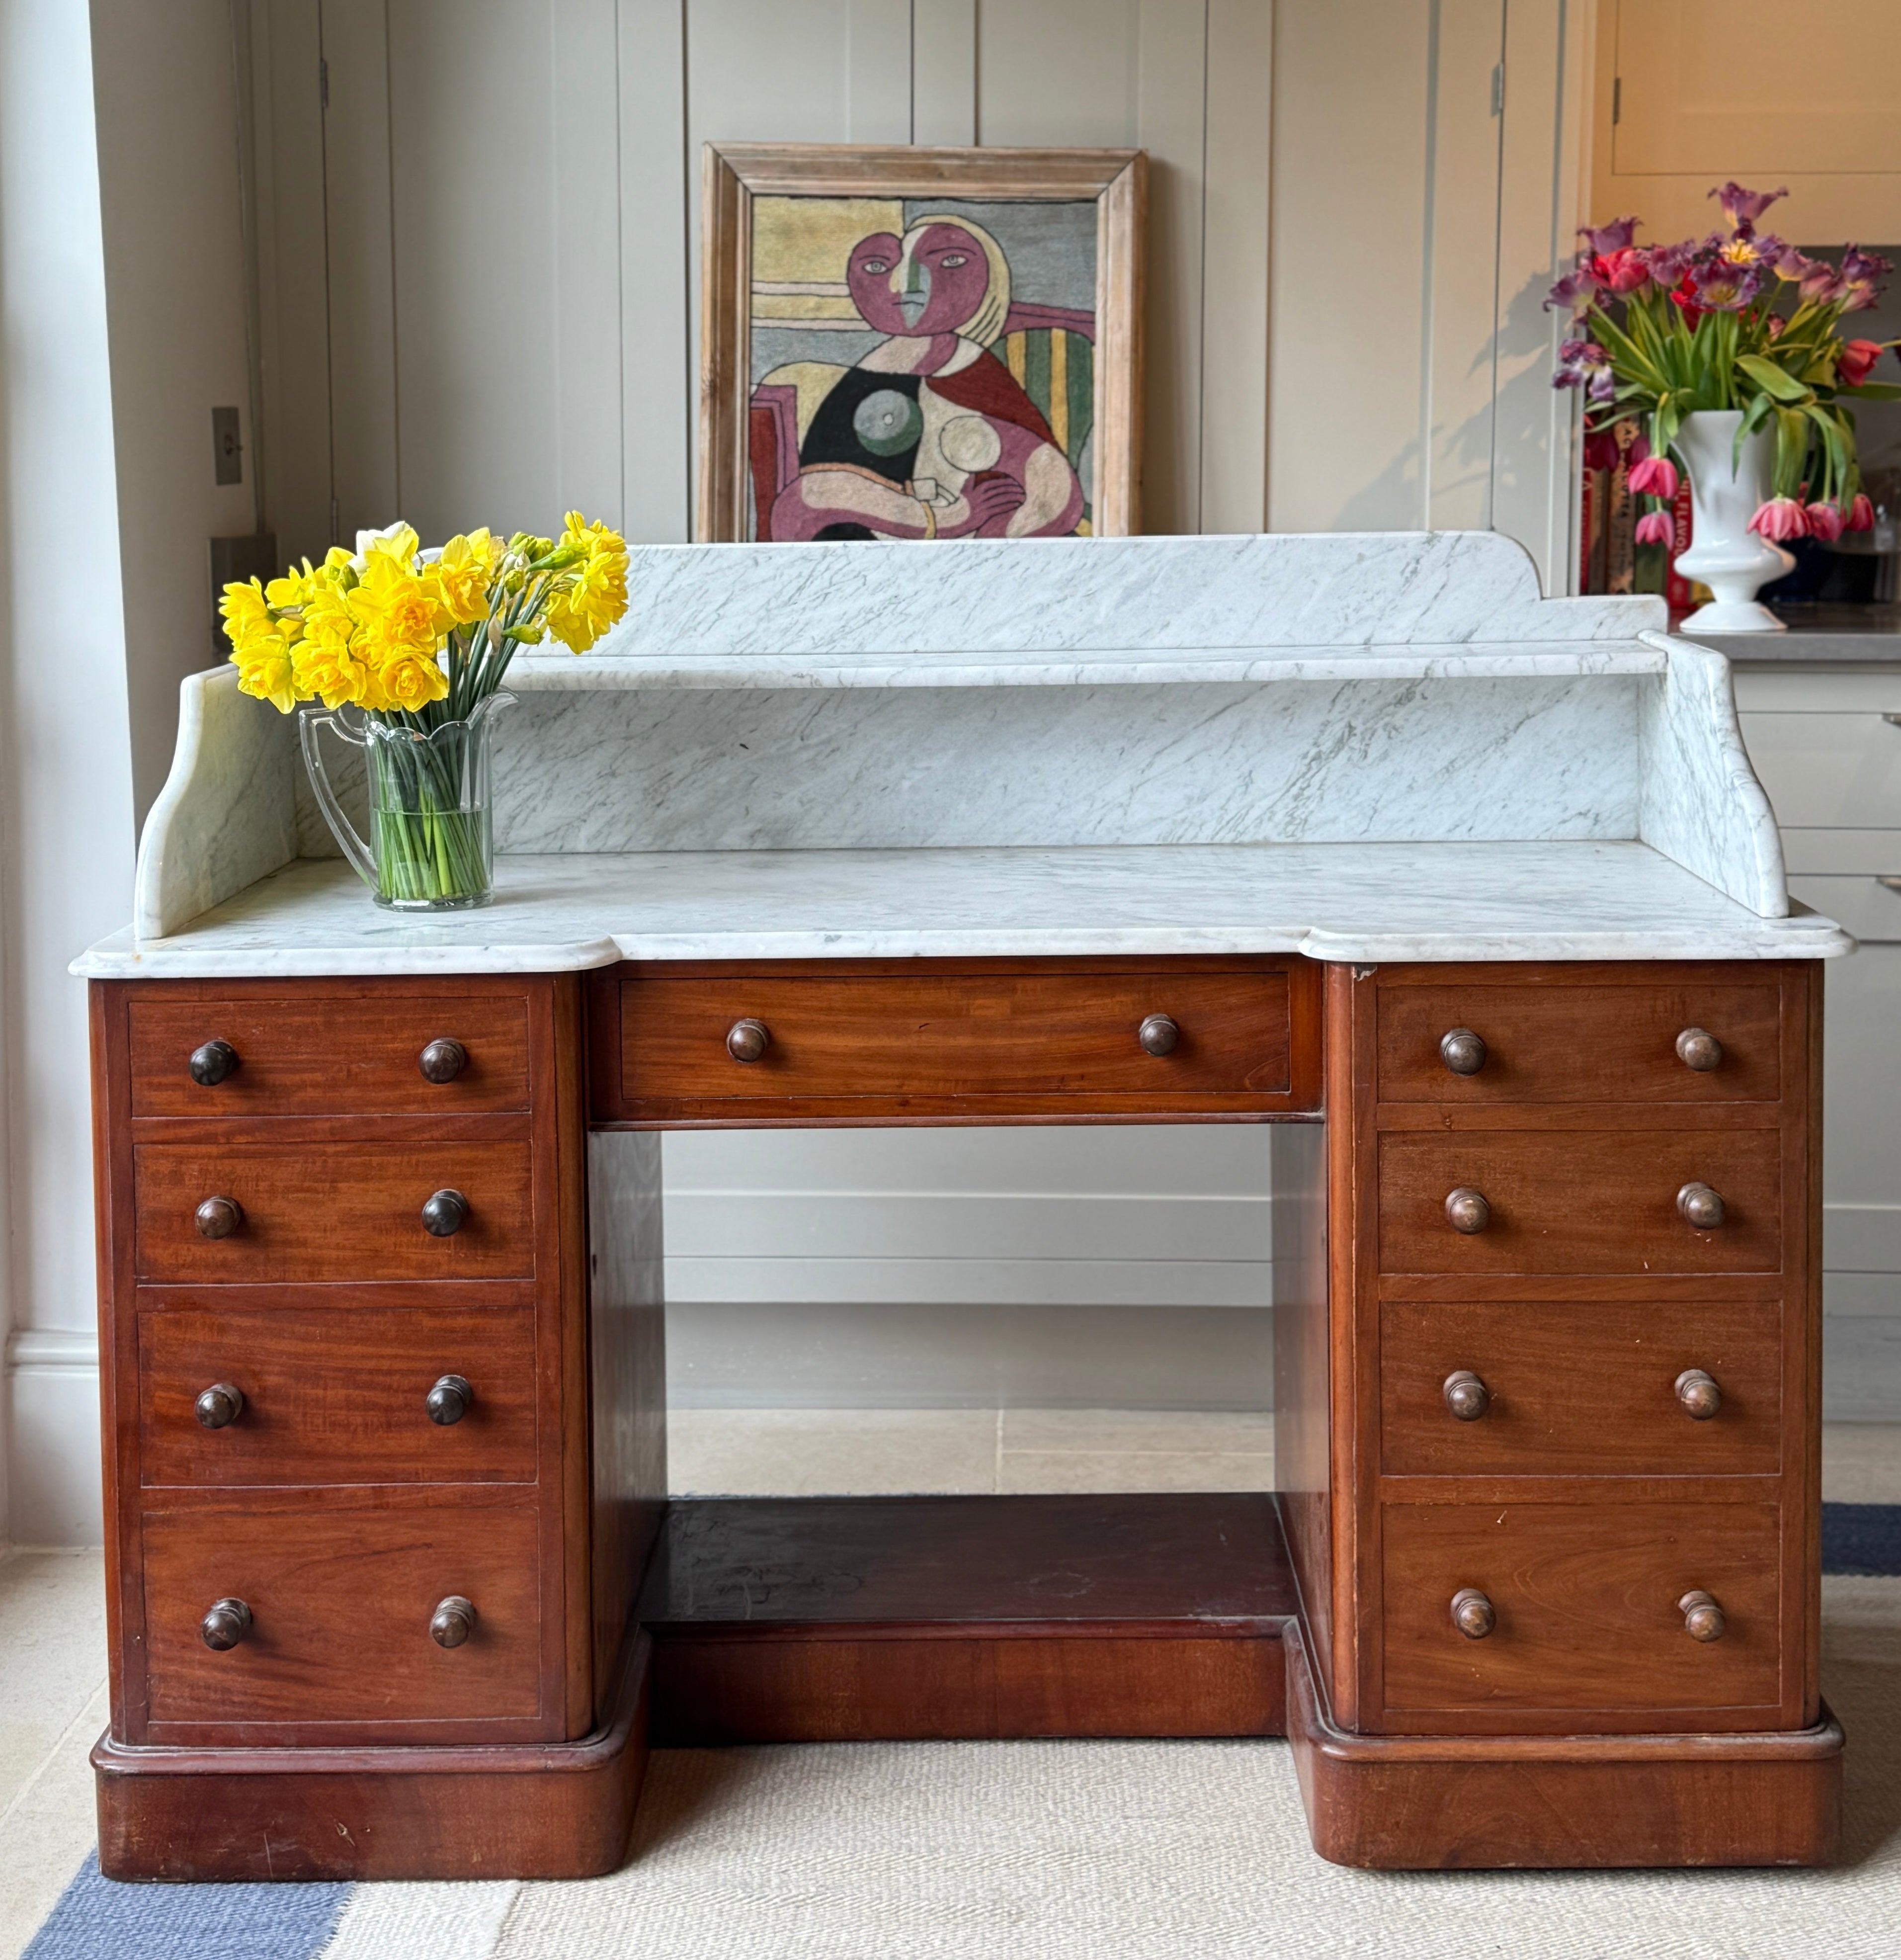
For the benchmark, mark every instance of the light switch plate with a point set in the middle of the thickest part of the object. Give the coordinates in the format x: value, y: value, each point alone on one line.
x: 227, y: 446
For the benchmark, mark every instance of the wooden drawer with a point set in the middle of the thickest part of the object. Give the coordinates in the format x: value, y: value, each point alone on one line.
x: 1580, y: 1389
x: 1584, y: 1043
x: 316, y: 1050
x: 915, y: 1043
x: 341, y: 1600
x: 1582, y: 1201
x: 331, y: 1211
x: 331, y: 1398
x: 1586, y: 1600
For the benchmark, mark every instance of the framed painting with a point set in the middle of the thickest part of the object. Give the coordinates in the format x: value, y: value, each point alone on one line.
x: 919, y: 343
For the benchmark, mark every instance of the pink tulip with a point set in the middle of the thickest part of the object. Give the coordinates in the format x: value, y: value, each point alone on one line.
x: 1860, y: 514
x: 1655, y: 529
x: 1826, y: 522
x: 1655, y: 476
x: 1780, y: 519
x: 1855, y: 362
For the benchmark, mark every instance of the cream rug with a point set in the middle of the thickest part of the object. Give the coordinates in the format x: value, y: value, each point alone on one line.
x: 1055, y: 1851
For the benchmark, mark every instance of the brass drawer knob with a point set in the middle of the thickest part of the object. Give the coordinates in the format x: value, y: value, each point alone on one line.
x: 1472, y: 1613
x: 747, y: 1040
x: 1462, y: 1051
x: 1466, y: 1210
x: 219, y: 1218
x: 445, y: 1215
x: 453, y: 1621
x: 1701, y: 1206
x: 1466, y: 1396
x: 219, y: 1406
x: 448, y: 1400
x: 443, y: 1061
x: 227, y: 1623
x: 1698, y: 1394
x: 1158, y: 1034
x: 1698, y: 1048
x: 1702, y: 1618
x: 210, y: 1063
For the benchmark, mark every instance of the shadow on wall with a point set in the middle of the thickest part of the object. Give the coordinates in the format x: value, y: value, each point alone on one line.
x: 1502, y: 447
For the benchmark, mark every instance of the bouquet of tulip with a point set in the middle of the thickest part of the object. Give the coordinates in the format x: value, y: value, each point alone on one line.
x: 1739, y: 321
x: 419, y: 642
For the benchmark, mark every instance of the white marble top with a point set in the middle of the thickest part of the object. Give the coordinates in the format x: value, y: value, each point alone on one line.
x: 1367, y: 902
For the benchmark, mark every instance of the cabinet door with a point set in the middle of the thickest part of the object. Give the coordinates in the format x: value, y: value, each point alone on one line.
x: 1716, y: 89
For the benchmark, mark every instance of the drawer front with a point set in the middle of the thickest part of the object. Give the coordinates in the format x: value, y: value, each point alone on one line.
x: 340, y: 1601
x: 316, y: 1052
x: 1580, y: 1044
x: 1833, y: 770
x: 331, y: 1212
x: 927, y: 1038
x: 1578, y: 1389
x: 1582, y: 1201
x: 1584, y: 1599
x: 330, y: 1398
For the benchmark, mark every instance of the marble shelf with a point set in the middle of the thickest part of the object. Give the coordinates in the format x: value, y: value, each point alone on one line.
x: 1370, y: 902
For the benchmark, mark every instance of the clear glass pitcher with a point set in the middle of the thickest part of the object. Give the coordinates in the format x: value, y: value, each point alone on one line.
x: 432, y: 836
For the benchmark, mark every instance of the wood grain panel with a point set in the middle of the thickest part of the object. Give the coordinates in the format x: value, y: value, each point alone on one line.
x: 832, y: 1688
x: 328, y: 1400
x: 1580, y: 1389
x: 313, y: 1050
x: 1587, y: 1044
x: 341, y: 1600
x: 1000, y: 1040
x: 332, y: 1211
x: 1486, y: 1802
x: 1587, y: 1617
x: 1584, y: 1201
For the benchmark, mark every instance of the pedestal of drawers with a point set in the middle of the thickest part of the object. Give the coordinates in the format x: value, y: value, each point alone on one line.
x: 384, y: 1411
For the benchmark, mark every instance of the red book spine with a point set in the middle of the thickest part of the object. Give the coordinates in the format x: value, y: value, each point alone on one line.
x: 1677, y: 592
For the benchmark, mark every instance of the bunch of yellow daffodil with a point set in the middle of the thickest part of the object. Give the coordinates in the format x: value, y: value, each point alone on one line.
x: 393, y: 631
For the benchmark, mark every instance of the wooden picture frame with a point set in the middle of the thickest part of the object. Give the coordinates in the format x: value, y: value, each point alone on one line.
x: 754, y: 429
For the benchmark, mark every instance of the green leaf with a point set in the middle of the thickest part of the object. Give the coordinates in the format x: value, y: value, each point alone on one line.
x: 1875, y: 391
x: 1771, y: 379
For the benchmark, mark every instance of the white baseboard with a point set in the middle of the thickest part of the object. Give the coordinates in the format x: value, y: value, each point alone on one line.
x: 52, y: 1391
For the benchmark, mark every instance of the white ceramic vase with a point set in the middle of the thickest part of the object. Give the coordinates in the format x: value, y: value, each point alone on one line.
x: 1724, y: 554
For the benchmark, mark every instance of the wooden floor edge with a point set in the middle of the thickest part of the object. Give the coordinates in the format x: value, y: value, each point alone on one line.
x: 513, y: 1810
x: 1482, y: 1802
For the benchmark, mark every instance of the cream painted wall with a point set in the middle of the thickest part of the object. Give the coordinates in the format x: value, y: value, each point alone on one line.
x: 1424, y: 189
x: 66, y: 809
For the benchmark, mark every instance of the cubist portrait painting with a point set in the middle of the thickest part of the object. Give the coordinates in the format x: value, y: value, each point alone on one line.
x: 921, y: 368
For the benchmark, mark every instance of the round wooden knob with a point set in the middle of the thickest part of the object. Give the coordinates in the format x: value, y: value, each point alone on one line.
x: 219, y: 1406
x: 210, y: 1063
x: 445, y: 1215
x: 1158, y: 1034
x: 1702, y: 1618
x: 227, y: 1623
x: 1466, y: 1396
x: 448, y: 1400
x: 453, y: 1621
x: 747, y: 1040
x: 1698, y: 1394
x: 1462, y: 1051
x: 219, y: 1218
x: 443, y: 1061
x: 1467, y: 1211
x: 1701, y: 1206
x: 1698, y: 1048
x: 1472, y: 1613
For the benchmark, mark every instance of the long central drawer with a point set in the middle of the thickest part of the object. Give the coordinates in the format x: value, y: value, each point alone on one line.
x: 716, y: 1045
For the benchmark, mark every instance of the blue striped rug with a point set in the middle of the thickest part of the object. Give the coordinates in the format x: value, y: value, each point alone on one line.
x: 96, y: 1919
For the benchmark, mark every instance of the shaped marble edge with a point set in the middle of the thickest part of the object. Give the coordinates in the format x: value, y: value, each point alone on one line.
x: 227, y: 815
x: 1699, y: 801
x: 974, y: 597
x: 1103, y: 667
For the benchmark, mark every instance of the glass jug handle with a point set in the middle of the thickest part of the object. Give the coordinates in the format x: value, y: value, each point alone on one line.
x: 361, y: 860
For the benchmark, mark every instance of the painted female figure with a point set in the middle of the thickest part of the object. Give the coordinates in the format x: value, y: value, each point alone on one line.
x: 929, y: 435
